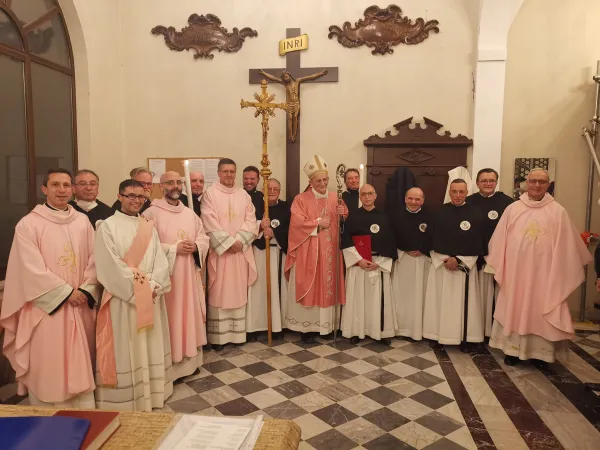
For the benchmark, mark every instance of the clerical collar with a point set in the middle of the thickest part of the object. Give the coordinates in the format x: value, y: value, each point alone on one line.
x: 253, y: 191
x: 128, y: 215
x: 85, y: 205
x: 352, y: 191
x: 458, y: 206
x: 56, y: 209
x: 276, y: 203
x: 414, y: 212
x: 317, y: 195
x: 489, y: 196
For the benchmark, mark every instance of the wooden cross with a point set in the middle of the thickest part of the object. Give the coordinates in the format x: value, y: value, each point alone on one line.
x: 292, y: 147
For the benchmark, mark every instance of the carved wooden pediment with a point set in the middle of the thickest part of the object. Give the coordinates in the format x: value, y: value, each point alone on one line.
x: 204, y: 35
x: 381, y: 29
x: 417, y: 136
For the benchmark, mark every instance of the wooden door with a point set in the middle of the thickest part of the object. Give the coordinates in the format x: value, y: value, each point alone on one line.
x: 428, y: 154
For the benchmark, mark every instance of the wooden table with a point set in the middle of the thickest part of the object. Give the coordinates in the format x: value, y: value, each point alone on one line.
x: 142, y: 431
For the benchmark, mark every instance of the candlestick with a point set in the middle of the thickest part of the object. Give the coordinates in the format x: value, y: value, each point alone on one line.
x: 188, y: 184
x: 361, y: 172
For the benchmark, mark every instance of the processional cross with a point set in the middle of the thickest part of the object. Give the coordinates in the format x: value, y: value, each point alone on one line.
x: 291, y: 76
x: 266, y: 108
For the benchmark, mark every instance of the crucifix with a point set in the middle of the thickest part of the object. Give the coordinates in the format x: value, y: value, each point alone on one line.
x: 291, y: 76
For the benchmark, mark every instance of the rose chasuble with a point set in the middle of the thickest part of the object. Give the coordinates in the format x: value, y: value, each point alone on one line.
x: 49, y: 342
x: 133, y: 361
x: 186, y: 308
x: 228, y: 215
x: 538, y: 257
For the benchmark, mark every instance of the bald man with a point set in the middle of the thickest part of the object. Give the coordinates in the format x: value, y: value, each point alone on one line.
x: 409, y: 279
x: 452, y: 311
x: 197, y: 181
x: 538, y: 258
x: 369, y: 251
x: 181, y: 234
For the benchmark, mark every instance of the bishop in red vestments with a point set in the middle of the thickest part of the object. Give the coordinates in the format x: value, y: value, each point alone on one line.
x: 314, y: 262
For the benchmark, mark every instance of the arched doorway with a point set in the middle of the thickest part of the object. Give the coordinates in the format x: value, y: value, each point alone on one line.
x: 37, y: 107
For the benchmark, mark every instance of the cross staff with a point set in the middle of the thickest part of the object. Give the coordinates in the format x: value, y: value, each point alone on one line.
x: 265, y: 108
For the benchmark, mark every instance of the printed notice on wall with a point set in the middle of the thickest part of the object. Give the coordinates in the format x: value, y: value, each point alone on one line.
x: 206, y: 166
x: 158, y: 167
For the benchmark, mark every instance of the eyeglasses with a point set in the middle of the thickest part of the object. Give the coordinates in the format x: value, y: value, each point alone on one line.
x: 146, y: 184
x: 367, y: 194
x: 540, y: 182
x: 85, y: 184
x: 273, y: 190
x: 173, y: 182
x: 488, y: 181
x: 133, y: 197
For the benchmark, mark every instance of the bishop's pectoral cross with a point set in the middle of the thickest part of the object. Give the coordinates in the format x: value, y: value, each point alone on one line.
x: 291, y: 76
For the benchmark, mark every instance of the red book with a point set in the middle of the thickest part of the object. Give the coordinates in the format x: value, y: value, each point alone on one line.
x: 363, y: 246
x: 102, y: 425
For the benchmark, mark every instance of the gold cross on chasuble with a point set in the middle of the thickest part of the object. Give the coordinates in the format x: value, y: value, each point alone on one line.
x: 533, y: 231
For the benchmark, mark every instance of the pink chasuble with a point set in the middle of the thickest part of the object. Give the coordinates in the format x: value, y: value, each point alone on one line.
x: 225, y: 213
x: 51, y: 354
x: 186, y: 308
x: 315, y: 256
x: 538, y: 257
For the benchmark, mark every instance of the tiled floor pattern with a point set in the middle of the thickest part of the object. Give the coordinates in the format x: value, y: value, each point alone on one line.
x: 372, y: 396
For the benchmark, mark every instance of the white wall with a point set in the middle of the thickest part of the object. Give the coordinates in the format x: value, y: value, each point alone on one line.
x: 148, y: 101
x: 553, y: 47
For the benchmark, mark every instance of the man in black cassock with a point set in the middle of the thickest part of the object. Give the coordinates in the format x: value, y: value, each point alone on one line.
x: 453, y: 312
x: 86, y: 200
x: 491, y: 205
x: 250, y: 178
x: 276, y: 227
x: 369, y: 251
x: 409, y: 279
x: 197, y: 188
x: 350, y: 195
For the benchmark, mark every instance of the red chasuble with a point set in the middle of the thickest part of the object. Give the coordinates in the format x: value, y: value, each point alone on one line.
x: 314, y: 257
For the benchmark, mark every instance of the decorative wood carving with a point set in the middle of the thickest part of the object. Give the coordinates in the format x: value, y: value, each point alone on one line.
x: 381, y: 29
x: 428, y: 153
x: 417, y: 135
x: 204, y: 35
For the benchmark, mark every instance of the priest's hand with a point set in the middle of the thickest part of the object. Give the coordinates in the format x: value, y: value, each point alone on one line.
x: 236, y: 247
x: 451, y: 264
x: 324, y: 223
x: 367, y: 265
x: 186, y: 248
x: 414, y: 253
x: 268, y: 232
x: 265, y: 223
x: 340, y: 210
x: 77, y: 298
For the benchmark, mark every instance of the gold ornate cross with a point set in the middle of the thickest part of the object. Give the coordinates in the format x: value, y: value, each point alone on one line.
x: 266, y: 108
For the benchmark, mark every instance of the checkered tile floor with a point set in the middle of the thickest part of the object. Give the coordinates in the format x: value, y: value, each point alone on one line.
x: 348, y: 397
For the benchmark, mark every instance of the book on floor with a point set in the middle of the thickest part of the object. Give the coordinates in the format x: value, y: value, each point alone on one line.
x: 102, y: 425
x: 48, y: 433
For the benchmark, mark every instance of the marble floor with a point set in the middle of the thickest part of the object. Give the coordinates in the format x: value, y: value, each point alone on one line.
x: 406, y: 396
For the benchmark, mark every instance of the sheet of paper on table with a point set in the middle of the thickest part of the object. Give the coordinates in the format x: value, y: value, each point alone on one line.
x: 208, y: 433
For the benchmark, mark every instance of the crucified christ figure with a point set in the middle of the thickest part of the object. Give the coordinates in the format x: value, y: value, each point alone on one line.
x: 292, y: 88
